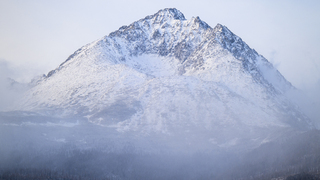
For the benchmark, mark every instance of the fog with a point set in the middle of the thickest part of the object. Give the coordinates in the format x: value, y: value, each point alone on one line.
x: 10, y: 90
x: 307, y: 97
x: 308, y: 100
x: 34, y: 145
x: 312, y: 109
x: 72, y: 147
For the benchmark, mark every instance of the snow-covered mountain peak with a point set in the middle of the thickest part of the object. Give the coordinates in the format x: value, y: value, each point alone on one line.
x: 168, y: 34
x: 167, y: 13
x: 164, y: 72
x: 169, y: 20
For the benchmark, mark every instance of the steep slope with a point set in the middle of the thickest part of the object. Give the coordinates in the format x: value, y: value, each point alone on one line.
x: 170, y: 75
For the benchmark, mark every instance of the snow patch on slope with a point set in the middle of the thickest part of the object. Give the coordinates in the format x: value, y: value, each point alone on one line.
x: 154, y: 65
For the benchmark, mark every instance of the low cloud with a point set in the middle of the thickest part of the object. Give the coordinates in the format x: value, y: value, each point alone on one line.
x: 313, y: 106
x: 308, y: 99
x: 10, y: 90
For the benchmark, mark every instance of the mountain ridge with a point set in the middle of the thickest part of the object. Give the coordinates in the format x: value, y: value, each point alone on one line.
x: 220, y: 33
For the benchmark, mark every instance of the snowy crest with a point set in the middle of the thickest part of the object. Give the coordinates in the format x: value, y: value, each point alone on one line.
x: 167, y: 13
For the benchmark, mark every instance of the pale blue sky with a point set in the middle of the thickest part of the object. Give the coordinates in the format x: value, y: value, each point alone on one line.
x: 36, y: 35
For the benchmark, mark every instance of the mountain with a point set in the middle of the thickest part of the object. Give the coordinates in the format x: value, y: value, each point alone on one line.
x: 164, y: 74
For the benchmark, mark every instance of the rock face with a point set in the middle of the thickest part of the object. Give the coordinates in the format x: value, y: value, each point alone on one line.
x: 165, y: 74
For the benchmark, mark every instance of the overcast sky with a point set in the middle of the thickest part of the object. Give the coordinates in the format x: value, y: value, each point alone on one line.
x: 36, y: 35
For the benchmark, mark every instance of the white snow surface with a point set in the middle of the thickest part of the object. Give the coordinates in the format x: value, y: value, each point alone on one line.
x: 170, y: 75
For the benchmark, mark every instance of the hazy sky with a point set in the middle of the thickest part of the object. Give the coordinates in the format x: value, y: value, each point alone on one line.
x: 36, y: 35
